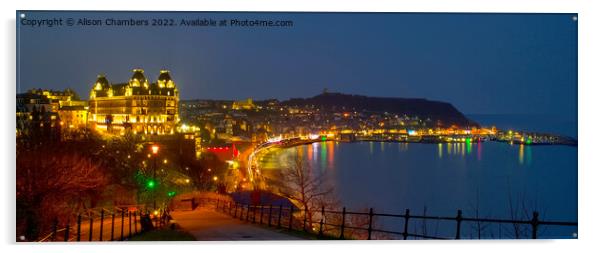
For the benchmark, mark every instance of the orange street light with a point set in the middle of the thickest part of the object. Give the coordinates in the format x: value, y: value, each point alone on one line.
x: 155, y: 149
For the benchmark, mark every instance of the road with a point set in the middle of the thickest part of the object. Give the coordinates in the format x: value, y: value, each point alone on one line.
x: 205, y: 224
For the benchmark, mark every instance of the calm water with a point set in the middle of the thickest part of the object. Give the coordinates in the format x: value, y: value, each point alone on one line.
x: 439, y: 179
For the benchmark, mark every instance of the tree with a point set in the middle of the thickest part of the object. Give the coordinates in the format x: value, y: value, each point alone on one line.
x: 301, y: 185
x: 201, y: 172
x: 53, y: 182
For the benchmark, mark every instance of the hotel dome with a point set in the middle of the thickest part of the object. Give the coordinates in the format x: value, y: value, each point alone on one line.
x: 138, y: 79
x: 164, y: 80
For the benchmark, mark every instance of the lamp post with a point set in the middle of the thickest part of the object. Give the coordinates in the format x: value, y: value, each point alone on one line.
x: 155, y: 149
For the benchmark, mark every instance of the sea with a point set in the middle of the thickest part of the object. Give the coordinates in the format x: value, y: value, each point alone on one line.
x: 483, y: 179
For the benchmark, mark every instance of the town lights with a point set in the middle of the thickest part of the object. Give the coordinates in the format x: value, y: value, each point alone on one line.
x: 155, y: 149
x: 215, y: 178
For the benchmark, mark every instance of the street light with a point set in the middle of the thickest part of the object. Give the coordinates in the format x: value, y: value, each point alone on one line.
x: 155, y: 149
x: 150, y: 184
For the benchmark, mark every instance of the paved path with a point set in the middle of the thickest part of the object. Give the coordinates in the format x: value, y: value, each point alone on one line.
x: 208, y: 225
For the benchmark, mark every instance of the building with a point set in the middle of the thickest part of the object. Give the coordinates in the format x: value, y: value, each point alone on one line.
x: 57, y: 109
x: 36, y: 117
x: 73, y: 116
x: 137, y: 105
x: 243, y: 104
x: 58, y: 98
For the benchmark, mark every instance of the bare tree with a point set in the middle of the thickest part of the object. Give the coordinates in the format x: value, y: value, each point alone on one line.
x: 54, y: 183
x: 521, y: 207
x: 478, y: 226
x: 304, y: 187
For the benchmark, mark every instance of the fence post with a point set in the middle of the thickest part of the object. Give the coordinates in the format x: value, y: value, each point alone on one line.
x: 261, y: 215
x: 534, y: 224
x: 458, y: 222
x: 242, y: 211
x: 248, y: 209
x: 102, y: 218
x: 91, y: 226
x: 67, y: 232
x: 122, y: 220
x: 254, y: 213
x: 279, y: 216
x: 406, y: 218
x: 321, y: 232
x: 79, y: 226
x: 112, y: 224
x: 235, y: 209
x: 290, y: 219
x: 217, y: 205
x: 54, y: 228
x: 270, y: 216
x: 135, y: 223
x: 129, y: 224
x: 342, y: 236
x: 370, y: 224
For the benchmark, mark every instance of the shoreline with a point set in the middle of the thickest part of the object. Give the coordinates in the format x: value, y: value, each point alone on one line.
x: 305, y: 142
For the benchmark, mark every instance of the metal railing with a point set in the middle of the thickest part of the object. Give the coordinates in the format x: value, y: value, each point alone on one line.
x: 102, y: 224
x: 337, y: 222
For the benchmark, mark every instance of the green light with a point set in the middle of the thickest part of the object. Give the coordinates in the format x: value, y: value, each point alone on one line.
x: 468, y: 140
x: 323, y: 138
x: 529, y: 141
x: 171, y: 194
x: 150, y: 184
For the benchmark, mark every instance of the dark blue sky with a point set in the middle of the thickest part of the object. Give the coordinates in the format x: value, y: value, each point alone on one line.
x: 481, y: 63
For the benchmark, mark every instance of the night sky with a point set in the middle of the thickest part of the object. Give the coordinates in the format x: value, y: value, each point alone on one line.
x: 481, y: 63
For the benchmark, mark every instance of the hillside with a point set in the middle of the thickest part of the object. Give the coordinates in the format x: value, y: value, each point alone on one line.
x: 444, y: 113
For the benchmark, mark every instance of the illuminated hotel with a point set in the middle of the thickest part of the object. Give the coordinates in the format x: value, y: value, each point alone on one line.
x: 138, y: 105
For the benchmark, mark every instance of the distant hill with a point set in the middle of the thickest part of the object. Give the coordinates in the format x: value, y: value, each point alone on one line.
x: 444, y: 113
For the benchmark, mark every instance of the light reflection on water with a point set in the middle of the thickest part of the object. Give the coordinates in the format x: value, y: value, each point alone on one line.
x: 396, y: 176
x: 325, y: 152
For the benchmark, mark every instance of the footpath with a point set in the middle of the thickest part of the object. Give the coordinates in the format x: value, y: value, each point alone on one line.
x: 205, y: 224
